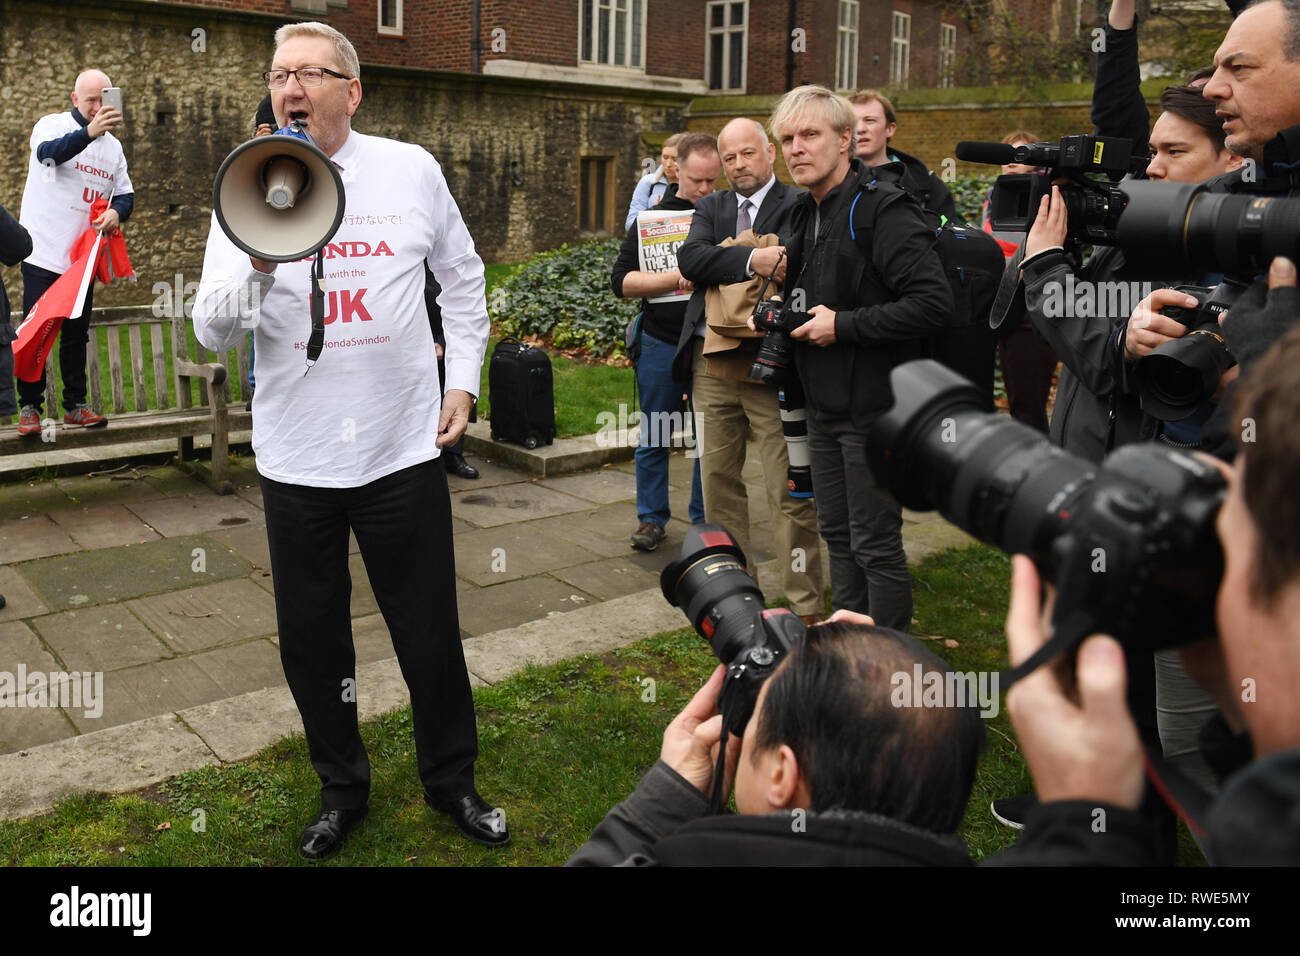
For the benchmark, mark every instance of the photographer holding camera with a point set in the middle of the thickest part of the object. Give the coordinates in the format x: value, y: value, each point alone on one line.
x: 1080, y: 742
x: 829, y: 772
x: 855, y: 309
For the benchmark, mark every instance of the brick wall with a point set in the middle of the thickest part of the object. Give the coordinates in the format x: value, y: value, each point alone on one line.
x: 187, y: 110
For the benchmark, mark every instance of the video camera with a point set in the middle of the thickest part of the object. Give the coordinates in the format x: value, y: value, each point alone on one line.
x: 1129, y: 545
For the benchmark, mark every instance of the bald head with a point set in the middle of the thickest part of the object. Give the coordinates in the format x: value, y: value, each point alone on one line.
x: 747, y: 155
x: 87, y: 92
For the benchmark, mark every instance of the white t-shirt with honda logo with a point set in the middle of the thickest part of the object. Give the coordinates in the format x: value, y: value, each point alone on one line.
x: 57, y: 199
x: 370, y: 404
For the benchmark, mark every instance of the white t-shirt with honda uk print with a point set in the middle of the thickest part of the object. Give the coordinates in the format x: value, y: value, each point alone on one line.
x: 370, y: 404
x: 57, y: 198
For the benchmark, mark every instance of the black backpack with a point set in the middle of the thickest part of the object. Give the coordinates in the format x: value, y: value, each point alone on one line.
x: 521, y: 393
x: 973, y: 262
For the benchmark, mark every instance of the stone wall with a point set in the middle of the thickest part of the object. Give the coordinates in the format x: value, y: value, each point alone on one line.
x: 188, y: 108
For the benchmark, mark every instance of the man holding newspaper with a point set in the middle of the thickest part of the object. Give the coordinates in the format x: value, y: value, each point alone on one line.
x: 647, y: 267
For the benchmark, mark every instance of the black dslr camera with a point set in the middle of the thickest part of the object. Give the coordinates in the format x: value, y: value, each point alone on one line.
x: 772, y: 363
x: 726, y: 608
x: 1130, y: 544
x: 1178, y: 377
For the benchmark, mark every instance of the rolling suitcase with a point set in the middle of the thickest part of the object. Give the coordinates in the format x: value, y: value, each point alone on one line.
x: 521, y: 393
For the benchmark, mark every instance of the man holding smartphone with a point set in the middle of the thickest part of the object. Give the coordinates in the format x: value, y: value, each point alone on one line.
x: 74, y: 161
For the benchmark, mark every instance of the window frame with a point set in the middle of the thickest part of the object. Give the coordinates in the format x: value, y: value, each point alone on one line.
x: 900, y: 49
x: 639, y: 48
x: 383, y: 29
x: 846, y: 67
x: 725, y: 31
x: 947, y: 55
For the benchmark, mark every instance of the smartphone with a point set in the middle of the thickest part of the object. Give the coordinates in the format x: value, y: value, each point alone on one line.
x: 112, y: 96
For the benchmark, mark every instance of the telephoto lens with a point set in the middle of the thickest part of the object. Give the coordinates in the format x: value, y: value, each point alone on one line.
x: 1130, y: 545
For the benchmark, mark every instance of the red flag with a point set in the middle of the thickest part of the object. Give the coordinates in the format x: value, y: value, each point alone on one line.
x: 63, y: 299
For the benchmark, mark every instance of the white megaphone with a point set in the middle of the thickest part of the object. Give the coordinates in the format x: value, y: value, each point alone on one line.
x: 279, y: 197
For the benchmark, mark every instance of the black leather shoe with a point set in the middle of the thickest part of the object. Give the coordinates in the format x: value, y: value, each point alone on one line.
x: 457, y: 465
x: 2, y: 600
x: 476, y: 819
x: 324, y: 836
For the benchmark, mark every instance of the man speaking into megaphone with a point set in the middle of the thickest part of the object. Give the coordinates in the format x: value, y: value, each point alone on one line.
x: 348, y: 438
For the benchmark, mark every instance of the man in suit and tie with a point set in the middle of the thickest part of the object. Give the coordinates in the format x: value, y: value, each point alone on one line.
x: 727, y: 403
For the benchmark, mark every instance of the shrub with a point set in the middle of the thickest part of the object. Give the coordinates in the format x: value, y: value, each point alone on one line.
x: 564, y: 295
x: 968, y: 193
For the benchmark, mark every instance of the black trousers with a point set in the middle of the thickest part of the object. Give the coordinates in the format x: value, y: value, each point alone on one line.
x: 1028, y: 364
x: 73, y: 336
x: 403, y: 525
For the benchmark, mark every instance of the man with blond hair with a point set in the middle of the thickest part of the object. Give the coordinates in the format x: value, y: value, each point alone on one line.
x: 865, y: 286
x: 351, y: 442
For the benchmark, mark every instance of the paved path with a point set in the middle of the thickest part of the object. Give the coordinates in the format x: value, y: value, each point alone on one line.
x: 147, y: 577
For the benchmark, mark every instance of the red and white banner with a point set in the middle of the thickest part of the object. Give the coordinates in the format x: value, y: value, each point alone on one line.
x: 62, y: 300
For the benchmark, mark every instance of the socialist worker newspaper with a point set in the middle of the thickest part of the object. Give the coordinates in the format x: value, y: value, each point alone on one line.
x: 660, y: 234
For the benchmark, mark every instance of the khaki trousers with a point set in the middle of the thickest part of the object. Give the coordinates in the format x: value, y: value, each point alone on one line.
x: 724, y: 410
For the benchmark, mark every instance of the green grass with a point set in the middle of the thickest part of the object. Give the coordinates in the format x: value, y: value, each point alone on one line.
x: 559, y: 745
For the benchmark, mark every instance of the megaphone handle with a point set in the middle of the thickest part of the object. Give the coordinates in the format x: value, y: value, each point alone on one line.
x: 317, y: 340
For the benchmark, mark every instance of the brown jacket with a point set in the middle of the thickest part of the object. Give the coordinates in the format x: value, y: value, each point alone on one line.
x: 729, y: 343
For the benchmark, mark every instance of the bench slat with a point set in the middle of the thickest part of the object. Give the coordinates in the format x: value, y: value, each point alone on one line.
x: 137, y: 369
x: 115, y: 371
x: 159, y: 364
x: 96, y: 395
x: 180, y: 350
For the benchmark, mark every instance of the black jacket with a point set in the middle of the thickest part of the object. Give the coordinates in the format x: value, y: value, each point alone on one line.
x: 704, y: 263
x: 15, y: 246
x: 884, y: 305
x: 663, y: 320
x: 924, y: 186
x: 665, y: 822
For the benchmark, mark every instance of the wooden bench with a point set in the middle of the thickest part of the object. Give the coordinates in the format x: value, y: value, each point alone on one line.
x: 153, y: 414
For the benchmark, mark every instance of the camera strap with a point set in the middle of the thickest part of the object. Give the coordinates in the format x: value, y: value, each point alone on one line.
x: 1179, y: 792
x: 763, y: 290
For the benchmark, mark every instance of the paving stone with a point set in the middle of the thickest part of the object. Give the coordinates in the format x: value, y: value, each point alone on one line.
x: 371, y: 639
x: 30, y: 498
x: 363, y: 595
x: 495, y: 555
x: 604, y: 530
x: 90, y: 492
x: 35, y: 536
x: 115, y: 760
x: 608, y: 579
x: 117, y: 574
x: 490, y: 475
x: 23, y: 727
x: 249, y: 542
x: 925, y: 539
x: 589, y: 630
x: 20, y: 600
x: 163, y: 687
x: 173, y: 517
x: 201, y: 617
x: 238, y: 727
x: 600, y: 487
x: 509, y: 504
x: 103, y: 526
x: 460, y: 526
x: 505, y: 605
x: 680, y: 469
x: 104, y: 638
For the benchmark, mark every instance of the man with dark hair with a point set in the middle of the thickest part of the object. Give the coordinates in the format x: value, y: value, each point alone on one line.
x: 836, y: 767
x: 660, y: 326
x: 1079, y: 739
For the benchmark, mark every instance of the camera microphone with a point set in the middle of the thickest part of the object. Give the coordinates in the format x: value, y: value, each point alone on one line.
x: 987, y: 154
